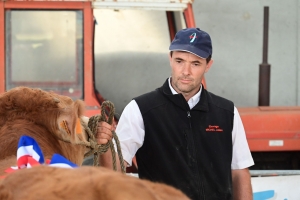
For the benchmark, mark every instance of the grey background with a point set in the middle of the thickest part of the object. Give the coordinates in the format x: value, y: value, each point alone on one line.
x: 132, y: 51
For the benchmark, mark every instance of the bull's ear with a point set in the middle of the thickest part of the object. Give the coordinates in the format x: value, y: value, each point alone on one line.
x: 80, y: 107
x: 68, y: 121
x: 64, y: 125
x: 65, y: 133
x: 78, y: 127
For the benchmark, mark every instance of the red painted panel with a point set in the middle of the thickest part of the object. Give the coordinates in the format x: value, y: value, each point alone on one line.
x: 189, y: 16
x: 92, y: 105
x: 272, y: 128
x: 89, y: 90
x: 260, y: 145
x: 44, y: 5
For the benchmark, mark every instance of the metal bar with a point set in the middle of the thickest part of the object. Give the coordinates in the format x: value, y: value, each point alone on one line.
x: 2, y: 48
x: 90, y: 100
x: 41, y: 5
x: 140, y: 5
x: 189, y: 16
x: 266, y: 35
x: 171, y: 24
x: 265, y: 68
x: 274, y: 172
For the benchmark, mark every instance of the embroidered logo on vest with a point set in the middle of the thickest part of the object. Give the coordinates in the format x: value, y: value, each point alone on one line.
x: 214, y: 128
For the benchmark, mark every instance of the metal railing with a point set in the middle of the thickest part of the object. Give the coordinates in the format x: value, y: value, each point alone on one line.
x: 260, y: 173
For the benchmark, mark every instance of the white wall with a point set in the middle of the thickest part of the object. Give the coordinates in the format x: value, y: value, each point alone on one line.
x: 132, y: 50
x: 236, y: 28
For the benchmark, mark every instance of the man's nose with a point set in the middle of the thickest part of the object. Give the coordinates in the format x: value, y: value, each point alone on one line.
x: 186, y: 70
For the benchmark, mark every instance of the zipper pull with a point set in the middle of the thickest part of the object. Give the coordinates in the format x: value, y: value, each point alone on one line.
x: 188, y: 114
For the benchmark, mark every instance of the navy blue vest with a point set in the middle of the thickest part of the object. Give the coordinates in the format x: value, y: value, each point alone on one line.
x: 188, y: 149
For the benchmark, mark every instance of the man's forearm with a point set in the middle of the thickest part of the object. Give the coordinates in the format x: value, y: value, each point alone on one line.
x: 241, y: 185
x: 105, y: 160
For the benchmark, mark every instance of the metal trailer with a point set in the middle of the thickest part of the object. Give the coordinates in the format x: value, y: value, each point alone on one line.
x: 51, y: 45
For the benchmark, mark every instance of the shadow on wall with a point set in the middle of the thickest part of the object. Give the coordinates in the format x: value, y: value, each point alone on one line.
x: 121, y: 76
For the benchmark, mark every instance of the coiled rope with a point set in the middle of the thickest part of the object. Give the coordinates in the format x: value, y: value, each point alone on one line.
x: 101, y: 149
x: 98, y: 149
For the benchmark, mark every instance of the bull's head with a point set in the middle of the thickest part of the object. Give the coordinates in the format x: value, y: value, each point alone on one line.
x: 25, y: 110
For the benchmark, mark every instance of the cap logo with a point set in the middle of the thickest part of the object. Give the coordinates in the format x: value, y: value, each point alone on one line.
x: 193, y: 37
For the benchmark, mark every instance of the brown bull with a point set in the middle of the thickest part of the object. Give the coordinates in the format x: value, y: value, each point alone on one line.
x: 49, y: 118
x: 90, y: 183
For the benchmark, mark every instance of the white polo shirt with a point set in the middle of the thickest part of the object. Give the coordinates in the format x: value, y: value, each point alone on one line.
x: 131, y: 133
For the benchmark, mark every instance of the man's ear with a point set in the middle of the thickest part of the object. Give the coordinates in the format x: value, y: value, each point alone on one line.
x: 170, y: 58
x: 209, y: 64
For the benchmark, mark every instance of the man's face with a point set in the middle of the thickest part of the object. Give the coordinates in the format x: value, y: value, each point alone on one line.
x: 187, y: 72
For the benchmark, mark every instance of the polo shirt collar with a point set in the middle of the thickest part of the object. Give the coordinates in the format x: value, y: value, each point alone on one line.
x: 179, y: 100
x: 193, y: 100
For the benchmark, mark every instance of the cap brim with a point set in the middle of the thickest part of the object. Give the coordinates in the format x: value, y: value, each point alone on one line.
x: 190, y: 49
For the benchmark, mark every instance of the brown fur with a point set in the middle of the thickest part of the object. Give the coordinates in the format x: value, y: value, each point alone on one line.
x: 40, y: 114
x: 91, y: 183
x: 37, y: 113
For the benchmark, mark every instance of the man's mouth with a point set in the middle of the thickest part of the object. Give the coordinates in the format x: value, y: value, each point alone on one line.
x: 185, y: 80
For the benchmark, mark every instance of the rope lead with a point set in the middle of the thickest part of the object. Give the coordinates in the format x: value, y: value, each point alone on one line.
x: 100, y: 149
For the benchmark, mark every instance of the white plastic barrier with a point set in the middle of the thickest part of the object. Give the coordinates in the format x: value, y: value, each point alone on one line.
x: 280, y: 187
x: 276, y: 188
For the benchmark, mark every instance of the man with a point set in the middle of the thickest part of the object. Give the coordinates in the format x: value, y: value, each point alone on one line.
x: 183, y: 135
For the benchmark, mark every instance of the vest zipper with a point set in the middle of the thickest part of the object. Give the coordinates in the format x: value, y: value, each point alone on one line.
x: 198, y: 180
x: 189, y: 116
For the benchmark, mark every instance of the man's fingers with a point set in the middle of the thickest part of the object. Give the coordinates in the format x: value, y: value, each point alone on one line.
x: 104, y: 136
x: 104, y: 132
x: 105, y: 125
x: 102, y: 141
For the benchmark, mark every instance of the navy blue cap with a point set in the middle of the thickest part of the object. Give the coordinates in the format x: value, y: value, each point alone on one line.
x: 192, y: 40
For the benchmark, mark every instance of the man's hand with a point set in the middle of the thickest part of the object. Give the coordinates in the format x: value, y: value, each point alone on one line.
x: 104, y: 132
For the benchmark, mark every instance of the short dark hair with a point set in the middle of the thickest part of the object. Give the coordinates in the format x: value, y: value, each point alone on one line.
x: 207, y: 59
